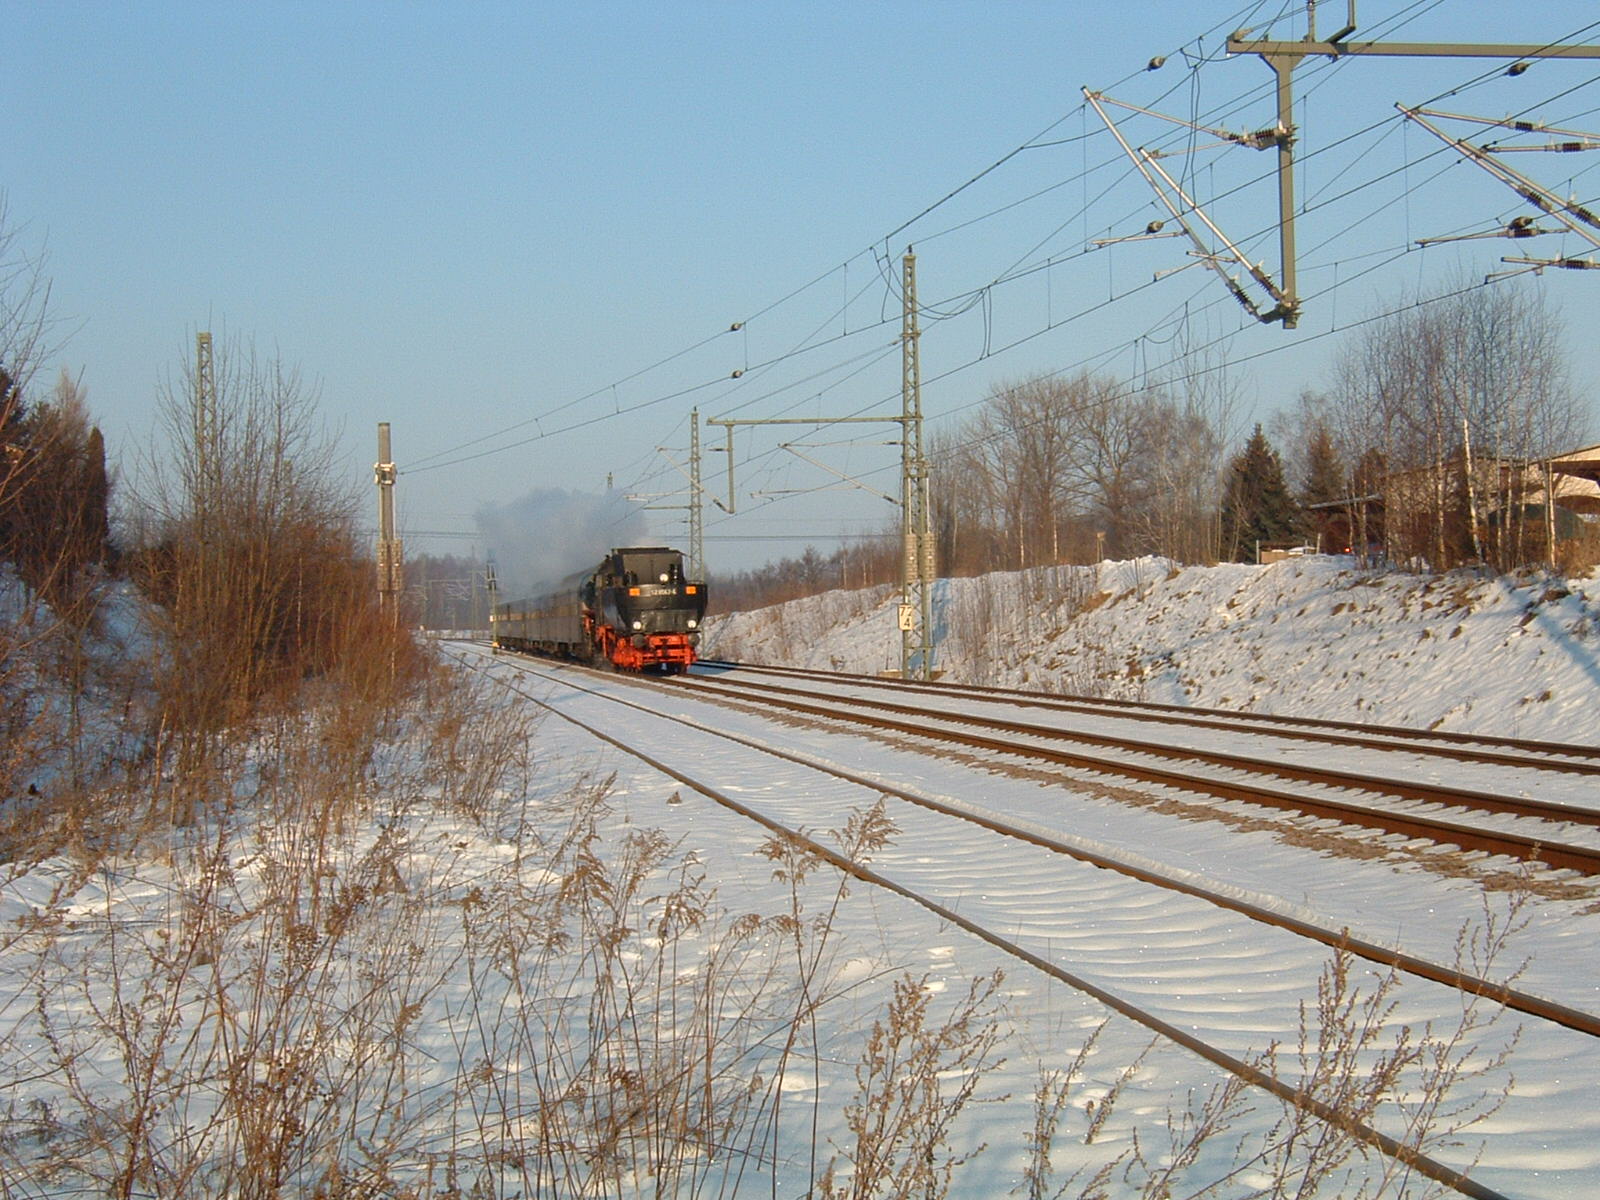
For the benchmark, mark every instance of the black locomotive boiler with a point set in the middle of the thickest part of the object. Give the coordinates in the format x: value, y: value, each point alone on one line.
x: 637, y: 610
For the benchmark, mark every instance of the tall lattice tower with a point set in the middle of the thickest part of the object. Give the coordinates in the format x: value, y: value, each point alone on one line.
x: 207, y: 431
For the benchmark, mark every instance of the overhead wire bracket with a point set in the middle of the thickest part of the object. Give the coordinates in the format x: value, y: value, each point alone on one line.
x: 1151, y: 232
x: 1165, y: 189
x: 837, y: 474
x: 1574, y: 216
x: 1517, y: 227
x: 1538, y: 265
x: 1260, y: 139
x: 1580, y: 139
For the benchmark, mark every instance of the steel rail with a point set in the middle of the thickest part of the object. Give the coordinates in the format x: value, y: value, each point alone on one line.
x: 1525, y: 1002
x: 1517, y: 752
x: 1437, y: 793
x: 1402, y: 1152
x: 1530, y: 849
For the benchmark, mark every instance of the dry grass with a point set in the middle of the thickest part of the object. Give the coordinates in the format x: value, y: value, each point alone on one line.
x: 289, y: 983
x: 1427, y: 1087
x: 914, y: 1079
x: 266, y: 999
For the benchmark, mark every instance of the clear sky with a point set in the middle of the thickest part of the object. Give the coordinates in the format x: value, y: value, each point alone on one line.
x: 503, y: 221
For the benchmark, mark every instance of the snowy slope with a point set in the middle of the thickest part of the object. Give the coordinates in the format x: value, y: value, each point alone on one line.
x: 431, y: 1023
x: 1314, y: 636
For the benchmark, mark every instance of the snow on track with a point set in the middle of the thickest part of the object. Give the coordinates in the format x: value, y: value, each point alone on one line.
x: 1195, y: 964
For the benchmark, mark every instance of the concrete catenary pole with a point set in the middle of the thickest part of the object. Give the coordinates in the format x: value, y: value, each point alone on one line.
x: 391, y: 560
x: 917, y: 567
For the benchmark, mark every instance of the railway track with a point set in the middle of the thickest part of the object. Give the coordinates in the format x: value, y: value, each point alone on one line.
x: 644, y: 698
x: 1570, y: 757
x: 1557, y: 834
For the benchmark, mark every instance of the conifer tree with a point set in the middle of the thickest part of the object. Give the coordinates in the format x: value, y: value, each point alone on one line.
x: 1325, y: 477
x: 53, y: 518
x: 1256, y: 504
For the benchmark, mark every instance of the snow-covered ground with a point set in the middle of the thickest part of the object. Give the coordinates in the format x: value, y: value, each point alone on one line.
x: 510, y: 982
x: 1313, y: 636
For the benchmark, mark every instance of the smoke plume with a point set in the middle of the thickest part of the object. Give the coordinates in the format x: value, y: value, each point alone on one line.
x: 541, y: 538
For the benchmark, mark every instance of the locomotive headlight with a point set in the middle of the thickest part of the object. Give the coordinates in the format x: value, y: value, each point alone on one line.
x: 638, y: 624
x: 693, y: 624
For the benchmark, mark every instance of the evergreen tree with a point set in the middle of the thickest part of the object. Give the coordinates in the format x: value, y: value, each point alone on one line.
x: 53, y: 506
x: 1256, y: 504
x: 1325, y: 477
x: 96, y: 503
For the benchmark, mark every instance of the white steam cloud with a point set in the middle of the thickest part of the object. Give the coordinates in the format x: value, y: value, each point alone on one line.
x: 543, y: 537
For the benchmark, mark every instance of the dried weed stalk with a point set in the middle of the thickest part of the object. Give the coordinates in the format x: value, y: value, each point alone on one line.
x: 1425, y: 1087
x: 914, y: 1079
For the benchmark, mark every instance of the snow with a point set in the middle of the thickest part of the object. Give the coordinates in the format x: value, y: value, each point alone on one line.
x: 1314, y: 636
x: 1165, y: 951
x: 455, y: 921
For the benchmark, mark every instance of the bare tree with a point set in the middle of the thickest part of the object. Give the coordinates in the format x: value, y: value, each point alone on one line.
x: 1114, y: 460
x: 1023, y: 446
x: 1459, y: 396
x: 1068, y: 469
x: 255, y: 566
x: 25, y: 321
x: 1179, y: 519
x: 1193, y: 432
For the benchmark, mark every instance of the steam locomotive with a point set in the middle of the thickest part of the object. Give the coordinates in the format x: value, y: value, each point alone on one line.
x: 637, y: 611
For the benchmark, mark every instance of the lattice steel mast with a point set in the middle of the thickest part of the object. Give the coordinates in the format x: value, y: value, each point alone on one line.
x: 207, y: 429
x: 916, y: 559
x: 697, y: 522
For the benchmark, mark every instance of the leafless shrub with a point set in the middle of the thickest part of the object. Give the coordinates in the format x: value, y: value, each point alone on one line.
x: 255, y: 570
x: 1052, y: 1101
x: 809, y: 935
x: 1350, y: 1061
x: 902, y: 1116
x: 478, y: 749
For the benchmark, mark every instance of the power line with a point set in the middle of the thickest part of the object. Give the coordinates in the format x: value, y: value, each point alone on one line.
x: 966, y: 301
x: 452, y: 456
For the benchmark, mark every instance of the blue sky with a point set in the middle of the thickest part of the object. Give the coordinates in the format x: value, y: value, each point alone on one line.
x: 458, y: 218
